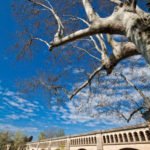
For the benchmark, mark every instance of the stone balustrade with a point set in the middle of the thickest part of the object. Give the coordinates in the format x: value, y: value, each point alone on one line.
x: 128, y: 138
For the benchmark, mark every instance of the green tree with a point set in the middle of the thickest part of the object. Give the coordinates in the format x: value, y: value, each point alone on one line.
x: 16, y: 140
x: 52, y: 132
x: 5, y: 138
x: 42, y: 136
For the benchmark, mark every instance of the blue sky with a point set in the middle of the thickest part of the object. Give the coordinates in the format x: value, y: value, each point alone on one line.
x: 31, y: 114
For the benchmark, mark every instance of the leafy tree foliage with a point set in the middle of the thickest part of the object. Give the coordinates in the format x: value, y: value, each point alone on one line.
x: 5, y: 138
x: 41, y: 136
x: 16, y: 140
x: 52, y: 133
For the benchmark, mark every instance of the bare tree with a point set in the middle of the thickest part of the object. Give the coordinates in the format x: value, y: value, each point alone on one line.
x: 52, y: 132
x: 127, y: 20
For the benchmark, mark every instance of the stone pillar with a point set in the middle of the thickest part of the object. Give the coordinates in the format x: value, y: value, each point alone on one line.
x: 140, y: 135
x: 18, y: 148
x: 99, y: 141
x: 116, y: 138
x: 68, y: 143
x: 148, y: 124
x: 8, y: 147
x: 134, y: 138
x: 37, y: 147
x: 145, y: 135
x: 49, y: 146
x: 26, y: 148
x: 125, y: 137
x: 140, y: 139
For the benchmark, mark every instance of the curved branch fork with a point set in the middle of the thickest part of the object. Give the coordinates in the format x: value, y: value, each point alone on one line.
x: 50, y: 8
x: 127, y: 19
x: 107, y: 25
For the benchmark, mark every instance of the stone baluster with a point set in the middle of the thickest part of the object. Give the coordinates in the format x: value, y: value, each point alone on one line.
x: 49, y: 145
x: 99, y: 141
x: 134, y: 139
x: 145, y: 136
x: 115, y: 138
x: 142, y: 136
x: 68, y: 143
x: 125, y: 137
x: 8, y: 147
x: 37, y: 147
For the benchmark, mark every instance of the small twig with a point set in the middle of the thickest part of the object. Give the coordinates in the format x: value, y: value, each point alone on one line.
x: 60, y: 29
x: 134, y: 112
x: 134, y: 86
x: 51, y: 87
x: 82, y: 49
x: 92, y: 75
x: 92, y: 39
x: 131, y: 115
x: 43, y: 41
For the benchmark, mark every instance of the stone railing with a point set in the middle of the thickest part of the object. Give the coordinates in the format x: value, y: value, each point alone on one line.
x: 83, y: 140
x: 96, y: 140
x: 127, y: 136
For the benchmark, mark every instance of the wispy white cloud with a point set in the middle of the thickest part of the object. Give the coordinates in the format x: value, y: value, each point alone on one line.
x: 16, y: 101
x: 111, y: 90
x: 78, y: 70
x: 1, y: 107
x: 15, y: 108
x: 17, y: 116
x: 13, y: 128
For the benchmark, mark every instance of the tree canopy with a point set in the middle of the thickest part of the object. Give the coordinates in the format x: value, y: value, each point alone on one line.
x: 89, y: 45
x: 16, y: 140
x: 52, y: 132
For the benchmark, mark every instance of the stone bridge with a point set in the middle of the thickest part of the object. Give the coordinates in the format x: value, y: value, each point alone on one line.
x: 129, y: 138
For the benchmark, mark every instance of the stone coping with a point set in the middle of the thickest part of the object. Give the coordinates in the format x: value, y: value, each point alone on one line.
x: 144, y: 125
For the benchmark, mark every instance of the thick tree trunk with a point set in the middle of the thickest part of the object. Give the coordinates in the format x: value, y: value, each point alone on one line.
x: 127, y: 19
x: 138, y: 32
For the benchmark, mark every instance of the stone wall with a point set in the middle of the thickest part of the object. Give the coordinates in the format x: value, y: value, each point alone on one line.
x: 128, y: 138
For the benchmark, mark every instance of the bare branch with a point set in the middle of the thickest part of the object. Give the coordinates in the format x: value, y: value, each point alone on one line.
x: 92, y: 75
x: 120, y: 51
x: 101, y: 41
x: 100, y: 26
x: 51, y: 87
x: 60, y: 30
x: 99, y: 38
x: 79, y: 18
x: 92, y: 39
x: 134, y: 86
x: 95, y: 45
x: 93, y: 16
x: 131, y: 115
x: 88, y: 53
x: 89, y: 10
x: 41, y: 40
x: 146, y: 100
